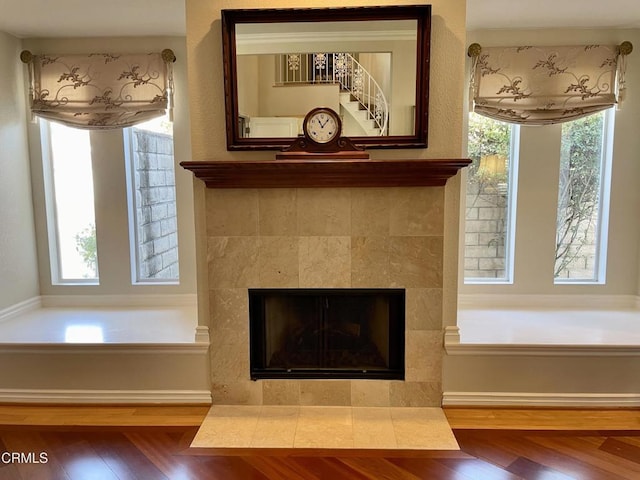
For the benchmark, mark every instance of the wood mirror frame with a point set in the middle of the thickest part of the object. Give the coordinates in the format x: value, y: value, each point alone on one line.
x: 420, y: 13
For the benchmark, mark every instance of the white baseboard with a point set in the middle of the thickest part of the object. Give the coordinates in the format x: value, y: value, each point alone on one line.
x: 20, y: 308
x: 501, y: 301
x: 537, y: 350
x: 149, y: 300
x: 528, y: 399
x: 198, y: 397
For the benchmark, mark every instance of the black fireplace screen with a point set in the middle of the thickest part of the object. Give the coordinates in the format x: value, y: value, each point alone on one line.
x: 327, y: 333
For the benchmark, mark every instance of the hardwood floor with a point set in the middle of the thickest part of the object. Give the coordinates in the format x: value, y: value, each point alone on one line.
x: 97, y: 449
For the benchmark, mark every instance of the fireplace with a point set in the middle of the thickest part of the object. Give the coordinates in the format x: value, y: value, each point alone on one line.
x: 327, y: 333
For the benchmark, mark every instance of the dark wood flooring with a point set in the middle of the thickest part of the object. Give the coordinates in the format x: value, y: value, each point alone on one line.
x: 148, y: 453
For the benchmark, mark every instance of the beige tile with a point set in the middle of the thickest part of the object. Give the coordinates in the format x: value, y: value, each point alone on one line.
x: 415, y: 394
x: 422, y: 428
x: 234, y: 411
x: 228, y: 427
x: 325, y: 262
x: 423, y: 353
x: 370, y: 212
x: 417, y: 211
x: 232, y: 212
x: 233, y: 262
x: 230, y: 363
x: 236, y: 393
x: 277, y: 211
x: 370, y: 262
x: 370, y: 393
x: 324, y: 211
x: 416, y: 261
x: 325, y: 392
x: 278, y: 262
x: 324, y: 427
x: 276, y: 427
x: 229, y: 310
x: 423, y: 309
x: 373, y: 428
x: 281, y: 392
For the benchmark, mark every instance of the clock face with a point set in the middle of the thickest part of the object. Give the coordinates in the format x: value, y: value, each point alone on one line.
x: 323, y: 126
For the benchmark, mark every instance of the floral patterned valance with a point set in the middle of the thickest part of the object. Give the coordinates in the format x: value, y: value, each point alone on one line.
x: 99, y: 91
x: 544, y: 85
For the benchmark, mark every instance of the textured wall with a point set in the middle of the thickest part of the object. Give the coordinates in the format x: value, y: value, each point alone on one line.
x: 18, y: 264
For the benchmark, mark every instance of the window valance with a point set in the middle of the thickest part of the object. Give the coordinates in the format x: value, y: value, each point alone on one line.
x: 544, y: 85
x: 99, y: 91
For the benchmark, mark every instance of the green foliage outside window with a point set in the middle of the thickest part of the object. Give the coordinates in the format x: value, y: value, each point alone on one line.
x: 87, y: 248
x: 579, y: 189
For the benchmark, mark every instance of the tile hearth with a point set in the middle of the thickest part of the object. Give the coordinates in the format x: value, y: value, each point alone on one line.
x: 290, y: 426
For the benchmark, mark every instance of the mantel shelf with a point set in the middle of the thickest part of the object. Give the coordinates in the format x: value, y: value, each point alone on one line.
x: 305, y: 173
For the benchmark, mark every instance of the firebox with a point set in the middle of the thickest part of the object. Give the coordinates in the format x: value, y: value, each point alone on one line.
x: 327, y: 333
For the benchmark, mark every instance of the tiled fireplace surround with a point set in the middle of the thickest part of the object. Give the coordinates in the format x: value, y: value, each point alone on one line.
x: 387, y: 237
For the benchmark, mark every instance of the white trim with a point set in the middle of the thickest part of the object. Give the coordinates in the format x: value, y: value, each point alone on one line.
x: 453, y: 346
x: 537, y: 350
x: 498, y: 301
x: 151, y: 300
x: 246, y: 39
x: 202, y: 334
x: 199, y: 397
x: 452, y: 335
x: 529, y: 399
x: 127, y: 137
x: 20, y: 308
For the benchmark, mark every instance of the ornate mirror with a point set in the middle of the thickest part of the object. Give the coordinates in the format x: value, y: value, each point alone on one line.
x: 371, y: 64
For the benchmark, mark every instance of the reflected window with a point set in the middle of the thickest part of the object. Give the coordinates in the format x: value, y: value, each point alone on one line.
x: 83, y: 334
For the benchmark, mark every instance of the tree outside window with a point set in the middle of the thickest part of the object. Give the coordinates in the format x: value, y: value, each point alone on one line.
x: 487, y: 226
x: 579, y: 199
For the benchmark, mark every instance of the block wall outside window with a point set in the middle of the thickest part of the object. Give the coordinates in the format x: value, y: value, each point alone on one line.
x: 155, y: 228
x: 583, y: 198
x: 490, y: 200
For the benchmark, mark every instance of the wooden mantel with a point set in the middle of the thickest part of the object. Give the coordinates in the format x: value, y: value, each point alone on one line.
x: 304, y: 173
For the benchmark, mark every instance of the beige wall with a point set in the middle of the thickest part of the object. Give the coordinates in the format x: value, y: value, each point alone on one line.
x: 110, y: 186
x: 538, y: 180
x: 206, y: 76
x: 18, y: 265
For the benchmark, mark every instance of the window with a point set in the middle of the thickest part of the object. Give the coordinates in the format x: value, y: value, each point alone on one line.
x: 153, y: 227
x: 71, y: 220
x: 581, y: 221
x: 490, y: 201
x: 69, y: 202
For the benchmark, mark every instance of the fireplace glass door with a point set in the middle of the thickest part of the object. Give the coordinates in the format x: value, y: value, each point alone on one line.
x: 327, y: 333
